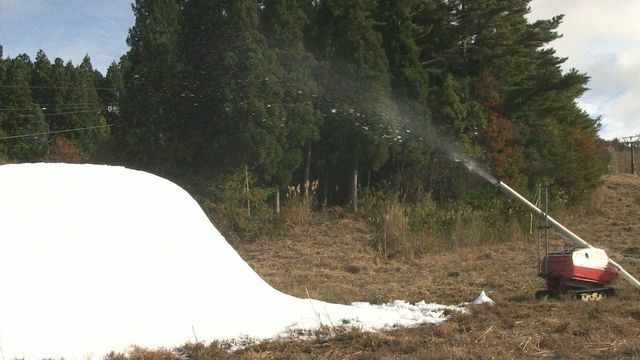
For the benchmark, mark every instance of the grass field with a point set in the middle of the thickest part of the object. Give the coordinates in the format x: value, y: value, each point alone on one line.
x: 330, y: 257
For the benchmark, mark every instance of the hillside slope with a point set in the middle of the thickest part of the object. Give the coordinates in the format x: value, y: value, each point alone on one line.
x: 331, y: 258
x: 615, y: 224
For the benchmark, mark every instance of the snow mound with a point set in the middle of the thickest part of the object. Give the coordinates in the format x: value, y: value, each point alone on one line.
x: 97, y: 258
x: 483, y: 299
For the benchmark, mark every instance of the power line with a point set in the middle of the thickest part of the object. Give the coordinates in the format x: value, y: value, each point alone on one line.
x: 75, y: 112
x: 56, y: 87
x: 64, y: 107
x: 52, y: 104
x: 63, y: 113
x: 43, y: 106
x: 55, y: 132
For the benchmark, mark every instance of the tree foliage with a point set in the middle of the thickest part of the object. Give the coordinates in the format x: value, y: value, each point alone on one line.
x: 22, y: 116
x: 383, y: 87
x: 41, y: 102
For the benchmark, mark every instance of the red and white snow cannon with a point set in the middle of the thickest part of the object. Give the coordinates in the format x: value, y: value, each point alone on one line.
x: 584, y: 271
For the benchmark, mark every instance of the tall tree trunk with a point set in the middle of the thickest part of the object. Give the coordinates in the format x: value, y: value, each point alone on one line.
x: 368, y: 187
x: 247, y: 190
x: 354, y: 190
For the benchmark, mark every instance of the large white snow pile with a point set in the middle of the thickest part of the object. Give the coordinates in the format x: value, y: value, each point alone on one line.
x: 98, y: 258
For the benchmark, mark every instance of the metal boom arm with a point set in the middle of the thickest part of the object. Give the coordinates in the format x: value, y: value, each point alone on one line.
x: 563, y: 231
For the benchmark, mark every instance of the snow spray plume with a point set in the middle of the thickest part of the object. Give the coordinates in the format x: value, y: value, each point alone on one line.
x: 455, y: 153
x: 403, y: 121
x: 473, y: 166
x: 428, y: 133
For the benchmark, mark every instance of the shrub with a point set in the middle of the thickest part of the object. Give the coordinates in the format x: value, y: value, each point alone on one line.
x: 394, y: 236
x: 241, y: 213
x: 408, y: 229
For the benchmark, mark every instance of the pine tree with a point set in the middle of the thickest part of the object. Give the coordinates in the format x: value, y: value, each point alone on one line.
x: 55, y: 100
x: 284, y: 23
x: 355, y: 87
x: 86, y: 110
x: 238, y: 114
x: 3, y: 143
x: 498, y: 90
x: 399, y: 32
x: 43, y: 89
x: 151, y: 72
x: 112, y: 89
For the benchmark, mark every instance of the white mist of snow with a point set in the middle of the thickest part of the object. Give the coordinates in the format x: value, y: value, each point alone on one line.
x: 97, y: 258
x: 472, y: 165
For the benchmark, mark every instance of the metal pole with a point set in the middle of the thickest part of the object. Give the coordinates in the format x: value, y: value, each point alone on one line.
x: 562, y: 231
x: 633, y: 161
x: 539, y: 236
x: 546, y: 230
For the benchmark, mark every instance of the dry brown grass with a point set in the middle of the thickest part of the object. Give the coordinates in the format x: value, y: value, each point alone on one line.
x: 393, y: 237
x: 331, y: 256
x: 298, y: 208
x: 333, y: 259
x: 620, y: 162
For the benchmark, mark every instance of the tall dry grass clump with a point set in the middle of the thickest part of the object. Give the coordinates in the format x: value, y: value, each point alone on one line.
x: 300, y: 202
x: 394, y: 236
x: 299, y: 205
x: 408, y: 229
x: 592, y: 204
x: 620, y: 160
x: 471, y: 227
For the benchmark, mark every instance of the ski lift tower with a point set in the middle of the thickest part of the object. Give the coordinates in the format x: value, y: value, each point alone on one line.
x: 631, y: 142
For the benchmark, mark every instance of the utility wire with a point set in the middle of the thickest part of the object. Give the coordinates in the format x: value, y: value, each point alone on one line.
x: 62, y: 113
x: 55, y: 132
x: 67, y: 107
x: 76, y: 112
x: 56, y: 87
x: 52, y: 104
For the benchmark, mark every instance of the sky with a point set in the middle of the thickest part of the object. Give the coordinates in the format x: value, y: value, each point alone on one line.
x: 600, y: 38
x: 68, y: 29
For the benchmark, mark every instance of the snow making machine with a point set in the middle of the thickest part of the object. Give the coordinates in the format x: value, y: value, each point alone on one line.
x: 581, y: 270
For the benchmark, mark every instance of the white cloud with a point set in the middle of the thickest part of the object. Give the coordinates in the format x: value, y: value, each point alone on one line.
x: 601, y: 38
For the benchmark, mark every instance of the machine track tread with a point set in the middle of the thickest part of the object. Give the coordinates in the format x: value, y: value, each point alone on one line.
x: 584, y: 294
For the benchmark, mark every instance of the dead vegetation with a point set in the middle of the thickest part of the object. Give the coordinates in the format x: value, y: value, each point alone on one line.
x: 329, y: 256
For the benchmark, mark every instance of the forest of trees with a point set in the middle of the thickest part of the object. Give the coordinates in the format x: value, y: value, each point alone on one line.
x: 297, y: 90
x: 40, y: 101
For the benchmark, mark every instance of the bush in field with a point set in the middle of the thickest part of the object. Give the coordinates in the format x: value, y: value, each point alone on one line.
x: 394, y: 237
x: 237, y: 207
x: 407, y: 229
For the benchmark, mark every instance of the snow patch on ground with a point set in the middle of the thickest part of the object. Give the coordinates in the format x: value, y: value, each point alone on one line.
x: 97, y: 258
x: 483, y: 299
